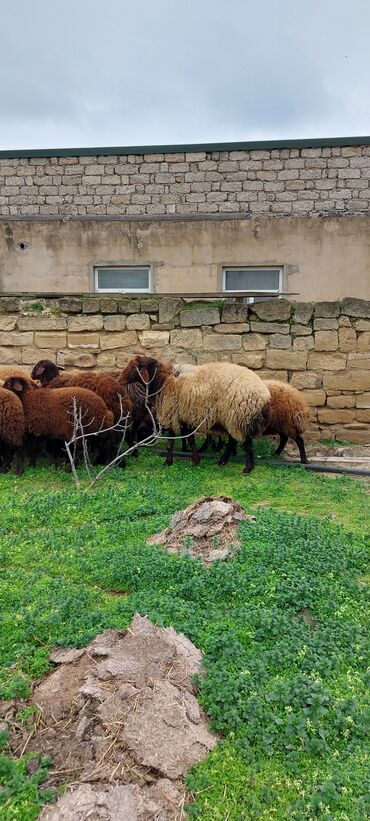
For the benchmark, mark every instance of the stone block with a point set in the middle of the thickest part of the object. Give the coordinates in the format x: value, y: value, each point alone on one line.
x: 344, y: 322
x: 325, y: 325
x: 70, y: 305
x: 328, y: 310
x: 191, y: 339
x: 169, y: 308
x: 91, y: 305
x: 353, y: 380
x: 363, y: 400
x: 108, y: 305
x: 363, y: 415
x: 149, y: 306
x: 221, y: 342
x: 9, y: 323
x: 303, y: 343
x: 327, y: 361
x: 289, y: 360
x: 326, y: 340
x: 272, y: 310
x: 280, y: 341
x: 10, y: 356
x: 363, y: 343
x: 29, y: 356
x: 114, y: 322
x: 359, y: 360
x: 281, y: 376
x: 9, y: 304
x: 83, y: 340
x: 362, y: 325
x: 306, y: 380
x: 342, y: 401
x: 356, y: 307
x: 199, y: 316
x: 314, y: 398
x: 254, y: 342
x: 303, y: 312
x: 347, y: 433
x: 234, y: 312
x: 347, y: 339
x: 85, y: 323
x: 123, y: 339
x: 42, y: 323
x: 13, y: 339
x: 154, y: 339
x: 76, y: 359
x: 301, y: 330
x: 106, y: 359
x: 253, y: 360
x: 232, y: 328
x: 128, y: 306
x: 269, y: 328
x: 138, y: 322
x: 50, y: 339
x: 335, y: 416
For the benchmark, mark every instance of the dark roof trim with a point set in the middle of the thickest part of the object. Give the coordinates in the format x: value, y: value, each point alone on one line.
x: 259, y: 145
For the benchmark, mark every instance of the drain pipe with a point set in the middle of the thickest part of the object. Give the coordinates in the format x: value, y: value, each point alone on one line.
x: 272, y: 463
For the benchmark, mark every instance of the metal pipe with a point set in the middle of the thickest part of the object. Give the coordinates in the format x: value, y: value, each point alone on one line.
x: 272, y: 463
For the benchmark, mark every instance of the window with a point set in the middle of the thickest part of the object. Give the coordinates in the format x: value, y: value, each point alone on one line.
x: 252, y: 279
x: 127, y: 278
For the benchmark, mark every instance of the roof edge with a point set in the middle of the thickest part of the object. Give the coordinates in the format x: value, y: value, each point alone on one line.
x: 189, y: 148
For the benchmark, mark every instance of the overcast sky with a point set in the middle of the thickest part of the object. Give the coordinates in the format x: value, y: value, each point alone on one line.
x: 113, y: 72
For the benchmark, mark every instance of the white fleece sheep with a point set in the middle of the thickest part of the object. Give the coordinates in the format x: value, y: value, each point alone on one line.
x: 216, y: 394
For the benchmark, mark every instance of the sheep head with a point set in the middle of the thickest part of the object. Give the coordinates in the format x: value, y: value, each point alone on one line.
x: 139, y: 369
x: 18, y: 384
x: 45, y: 370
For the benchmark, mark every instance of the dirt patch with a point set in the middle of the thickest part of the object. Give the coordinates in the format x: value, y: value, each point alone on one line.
x: 121, y: 721
x: 206, y: 530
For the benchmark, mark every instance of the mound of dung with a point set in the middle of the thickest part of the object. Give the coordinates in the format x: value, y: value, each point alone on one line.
x: 207, y: 529
x: 122, y: 724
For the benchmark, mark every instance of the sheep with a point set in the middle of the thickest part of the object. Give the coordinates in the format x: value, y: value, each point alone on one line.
x: 49, y: 413
x: 217, y: 394
x: 12, y: 431
x: 287, y: 416
x: 103, y: 384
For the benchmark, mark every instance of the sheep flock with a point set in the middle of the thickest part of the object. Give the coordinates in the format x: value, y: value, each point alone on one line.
x: 226, y: 403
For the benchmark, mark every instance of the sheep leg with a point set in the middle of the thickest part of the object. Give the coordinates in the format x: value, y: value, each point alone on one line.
x: 282, y: 443
x: 249, y: 458
x: 229, y: 450
x: 208, y: 440
x: 195, y: 453
x: 218, y: 446
x: 170, y: 446
x: 184, y: 439
x: 6, y: 458
x: 301, y: 448
x: 19, y: 461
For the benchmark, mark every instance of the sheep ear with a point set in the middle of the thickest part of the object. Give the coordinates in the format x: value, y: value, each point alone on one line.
x: 144, y: 373
x: 60, y: 368
x: 39, y: 370
x: 17, y: 386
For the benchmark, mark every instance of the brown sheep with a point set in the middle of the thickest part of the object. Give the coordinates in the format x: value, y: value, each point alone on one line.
x: 49, y: 413
x: 103, y: 384
x: 12, y: 431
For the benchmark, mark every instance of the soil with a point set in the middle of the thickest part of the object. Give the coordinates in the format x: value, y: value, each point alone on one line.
x: 206, y: 530
x: 122, y: 724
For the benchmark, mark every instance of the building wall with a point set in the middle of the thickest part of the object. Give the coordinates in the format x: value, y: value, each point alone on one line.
x: 188, y: 213
x: 322, y: 258
x: 323, y: 349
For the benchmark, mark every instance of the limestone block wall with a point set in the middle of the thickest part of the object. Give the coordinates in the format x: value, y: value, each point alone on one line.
x: 322, y: 348
x: 273, y: 182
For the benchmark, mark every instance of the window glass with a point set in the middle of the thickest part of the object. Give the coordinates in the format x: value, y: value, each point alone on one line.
x: 122, y: 279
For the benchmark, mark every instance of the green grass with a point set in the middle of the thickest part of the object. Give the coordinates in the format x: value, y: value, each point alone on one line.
x: 289, y: 701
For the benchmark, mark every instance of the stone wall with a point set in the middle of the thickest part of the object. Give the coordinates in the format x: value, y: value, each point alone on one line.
x: 323, y: 349
x: 276, y: 182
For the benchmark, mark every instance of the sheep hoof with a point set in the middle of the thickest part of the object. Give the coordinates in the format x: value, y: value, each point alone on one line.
x: 247, y: 470
x: 196, y: 460
x: 169, y: 461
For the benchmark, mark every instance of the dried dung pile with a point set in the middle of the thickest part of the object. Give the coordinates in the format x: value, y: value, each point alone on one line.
x: 206, y: 530
x: 122, y: 723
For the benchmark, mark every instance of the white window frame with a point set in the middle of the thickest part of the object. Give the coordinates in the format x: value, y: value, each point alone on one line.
x: 98, y: 290
x: 261, y: 292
